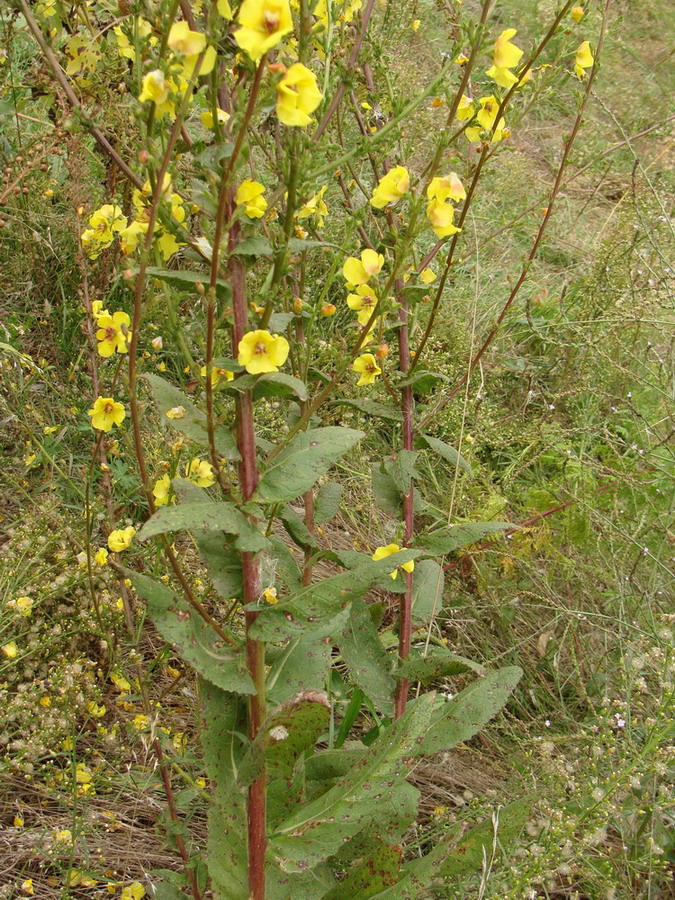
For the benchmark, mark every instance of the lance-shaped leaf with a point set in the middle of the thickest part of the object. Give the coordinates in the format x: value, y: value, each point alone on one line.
x: 459, y: 719
x: 321, y: 827
x: 205, y: 516
x: 314, y: 608
x: 299, y: 666
x: 427, y: 598
x: 401, y: 469
x: 366, y: 658
x: 297, y: 530
x: 447, y: 540
x: 286, y: 733
x: 272, y: 384
x: 327, y: 502
x: 193, y: 423
x: 502, y: 830
x: 306, y: 458
x: 219, y: 663
x: 187, y: 281
x: 445, y: 451
x: 372, y: 408
x: 438, y: 663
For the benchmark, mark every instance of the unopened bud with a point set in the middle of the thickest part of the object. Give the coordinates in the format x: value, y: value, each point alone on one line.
x: 382, y: 351
x: 157, y: 343
x: 199, y: 287
x: 328, y: 309
x: 143, y: 157
x: 297, y: 305
x: 128, y: 274
x: 577, y: 13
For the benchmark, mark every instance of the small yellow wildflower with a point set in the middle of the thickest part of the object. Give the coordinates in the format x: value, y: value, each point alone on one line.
x: 440, y: 216
x: 130, y: 236
x: 577, y: 13
x: 101, y: 556
x: 388, y: 550
x: 104, y: 224
x: 465, y: 109
x: 23, y: 605
x: 190, y: 45
x: 416, y: 24
x: 315, y: 207
x: 155, y: 88
x: 27, y: 887
x: 366, y: 365
x: 65, y: 836
x: 250, y: 196
x: 83, y: 774
x: 176, y: 412
x: 200, y: 472
x: 206, y: 118
x: 298, y: 95
x: 216, y: 374
x: 391, y: 187
x: 96, y: 710
x: 120, y: 681
x: 270, y: 596
x: 263, y: 24
x: 105, y: 413
x: 363, y: 302
x: 506, y: 54
x: 133, y: 891
x: 18, y: 821
x: 260, y: 351
x: 10, y: 650
x: 45, y: 701
x: 427, y: 276
x: 487, y: 117
x: 161, y: 490
x: 359, y: 271
x: 140, y: 722
x: 50, y: 429
x: 583, y: 59
x: 449, y: 187
x: 120, y: 539
x: 328, y: 310
x: 113, y: 334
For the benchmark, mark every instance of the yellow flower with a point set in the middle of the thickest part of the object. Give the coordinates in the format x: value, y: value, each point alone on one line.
x: 207, y: 117
x: 263, y: 24
x: 465, y: 109
x: 506, y: 54
x: 131, y: 235
x: 366, y: 365
x: 155, y: 87
x: 125, y: 47
x: 64, y: 837
x: 167, y: 245
x: 120, y: 681
x: 577, y: 13
x: 105, y: 413
x: 120, y: 539
x: 18, y: 821
x: 83, y: 774
x: 140, y: 722
x: 45, y: 701
x: 260, y: 351
x: 391, y: 187
x: 190, y: 45
x: 297, y: 96
x: 176, y: 412
x: 501, y: 76
x: 200, y: 472
x: 270, y: 596
x: 161, y: 490
x: 10, y: 650
x: 224, y: 8
x: 363, y: 302
x: 216, y: 374
x: 359, y: 271
x: 427, y: 276
x: 315, y: 206
x: 440, y: 217
x: 27, y: 887
x: 250, y: 196
x: 583, y: 59
x: 101, y: 556
x: 23, y: 605
x: 97, y: 309
x: 133, y: 891
x: 449, y: 187
x: 416, y: 24
x: 486, y: 117
x: 104, y: 223
x: 389, y: 550
x: 113, y: 334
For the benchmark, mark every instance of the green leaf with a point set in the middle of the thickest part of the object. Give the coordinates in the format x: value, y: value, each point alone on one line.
x: 447, y: 540
x: 271, y: 384
x: 283, y: 565
x: 366, y: 658
x: 379, y: 869
x: 372, y: 408
x: 438, y: 663
x: 296, y: 528
x: 385, y: 493
x: 315, y: 608
x: 422, y: 382
x: 401, y: 469
x: 253, y: 246
x: 445, y: 451
x: 197, y: 643
x: 321, y: 827
x: 459, y: 719
x: 299, y: 666
x: 477, y: 844
x: 286, y: 733
x: 306, y: 458
x: 427, y: 597
x: 206, y: 516
x: 193, y: 423
x: 186, y: 281
x: 279, y: 321
x: 327, y: 502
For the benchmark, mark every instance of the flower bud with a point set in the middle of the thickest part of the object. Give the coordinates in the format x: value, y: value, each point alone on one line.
x: 328, y: 309
x: 382, y: 351
x: 157, y: 343
x: 297, y: 305
x: 577, y: 13
x: 143, y: 157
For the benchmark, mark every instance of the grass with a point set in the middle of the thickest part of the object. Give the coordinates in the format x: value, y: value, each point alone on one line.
x: 573, y: 405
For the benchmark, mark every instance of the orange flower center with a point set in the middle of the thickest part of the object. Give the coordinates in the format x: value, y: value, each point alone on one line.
x: 110, y: 333
x: 108, y: 408
x: 260, y: 349
x: 271, y: 21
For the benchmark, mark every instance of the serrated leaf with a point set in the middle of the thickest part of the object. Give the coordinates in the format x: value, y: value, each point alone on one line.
x: 320, y: 828
x: 447, y: 540
x: 372, y: 408
x: 327, y: 502
x: 186, y: 281
x: 438, y: 663
x: 193, y: 423
x: 445, y: 451
x: 459, y: 719
x: 292, y: 728
x: 197, y: 643
x: 306, y: 458
x: 427, y: 596
x: 366, y: 658
x: 206, y: 516
x: 315, y: 608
